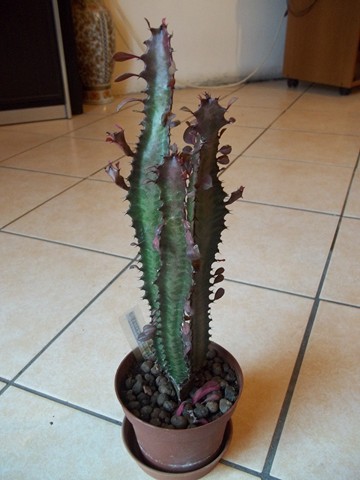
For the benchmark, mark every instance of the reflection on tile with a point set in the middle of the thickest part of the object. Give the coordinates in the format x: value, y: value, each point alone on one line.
x: 345, y: 123
x: 342, y: 283
x: 263, y: 330
x: 323, y: 422
x: 22, y: 191
x: 67, y: 156
x: 239, y: 137
x: 43, y: 286
x: 69, y: 369
x: 279, y: 248
x: 293, y: 184
x: 327, y: 99
x: 126, y: 119
x: 307, y: 147
x: 12, y: 142
x: 253, y: 116
x: 90, y: 215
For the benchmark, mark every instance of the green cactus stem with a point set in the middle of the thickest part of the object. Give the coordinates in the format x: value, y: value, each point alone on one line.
x: 208, y: 208
x: 178, y: 208
x: 152, y: 147
x: 175, y: 275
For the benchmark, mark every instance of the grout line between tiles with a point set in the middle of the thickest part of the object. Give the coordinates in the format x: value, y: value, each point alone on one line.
x: 318, y: 132
x: 271, y: 289
x: 290, y: 391
x: 265, y: 130
x: 12, y: 381
x: 310, y: 162
x: 65, y: 403
x: 288, y: 207
x: 70, y: 245
x: 44, y: 202
x: 341, y: 304
x: 80, y: 180
x: 236, y: 466
x: 31, y: 170
x: 303, y: 346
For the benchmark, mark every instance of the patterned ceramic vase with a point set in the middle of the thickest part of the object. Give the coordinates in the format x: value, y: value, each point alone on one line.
x: 95, y: 45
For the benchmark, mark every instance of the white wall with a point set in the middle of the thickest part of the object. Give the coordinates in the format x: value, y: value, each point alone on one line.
x: 215, y: 41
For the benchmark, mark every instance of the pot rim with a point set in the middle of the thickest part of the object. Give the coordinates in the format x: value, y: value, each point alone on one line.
x: 228, y: 414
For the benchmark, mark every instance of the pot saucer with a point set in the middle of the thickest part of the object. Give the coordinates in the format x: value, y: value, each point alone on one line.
x: 133, y: 448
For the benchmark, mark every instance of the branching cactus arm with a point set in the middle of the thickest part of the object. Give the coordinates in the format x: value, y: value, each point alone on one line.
x: 152, y: 147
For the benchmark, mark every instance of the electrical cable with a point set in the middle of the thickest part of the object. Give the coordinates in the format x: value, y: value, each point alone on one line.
x: 140, y: 44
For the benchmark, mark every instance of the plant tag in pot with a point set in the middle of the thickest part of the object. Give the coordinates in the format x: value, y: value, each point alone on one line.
x: 134, y: 327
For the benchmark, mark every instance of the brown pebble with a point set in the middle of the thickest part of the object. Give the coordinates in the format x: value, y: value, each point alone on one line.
x: 179, y: 422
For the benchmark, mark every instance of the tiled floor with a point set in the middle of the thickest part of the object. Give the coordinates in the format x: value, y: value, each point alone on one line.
x: 291, y: 314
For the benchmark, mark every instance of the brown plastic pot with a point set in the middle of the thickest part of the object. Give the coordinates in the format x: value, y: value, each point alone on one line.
x: 177, y: 451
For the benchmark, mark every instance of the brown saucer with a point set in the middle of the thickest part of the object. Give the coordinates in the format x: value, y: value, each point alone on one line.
x: 133, y: 448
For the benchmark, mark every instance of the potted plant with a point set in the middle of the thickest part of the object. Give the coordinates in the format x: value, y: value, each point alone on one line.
x: 187, y: 389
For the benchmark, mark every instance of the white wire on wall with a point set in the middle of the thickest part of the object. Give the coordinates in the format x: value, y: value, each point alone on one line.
x: 117, y: 11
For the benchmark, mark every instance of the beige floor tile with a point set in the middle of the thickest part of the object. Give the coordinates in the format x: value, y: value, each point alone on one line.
x: 13, y: 143
x: 293, y: 184
x: 267, y: 94
x: 277, y: 248
x: 128, y: 120
x: 321, y: 434
x: 43, y: 287
x: 307, y: 147
x: 327, y: 99
x: 344, y: 123
x: 90, y: 215
x: 263, y: 330
x: 227, y: 473
x: 254, y: 116
x: 67, y: 156
x: 90, y: 351
x: 240, y: 137
x: 342, y: 283
x: 353, y: 204
x: 42, y: 440
x: 22, y: 191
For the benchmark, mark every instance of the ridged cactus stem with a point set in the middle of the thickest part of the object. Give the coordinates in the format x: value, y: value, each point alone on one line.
x: 209, y: 221
x: 152, y: 147
x: 175, y: 275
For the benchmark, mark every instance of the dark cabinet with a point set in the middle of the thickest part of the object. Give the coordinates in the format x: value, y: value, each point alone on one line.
x: 35, y: 66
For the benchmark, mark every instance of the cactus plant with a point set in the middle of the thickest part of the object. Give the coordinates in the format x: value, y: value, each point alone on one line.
x: 178, y: 208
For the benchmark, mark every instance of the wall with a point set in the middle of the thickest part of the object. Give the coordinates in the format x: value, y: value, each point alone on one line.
x: 215, y: 41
